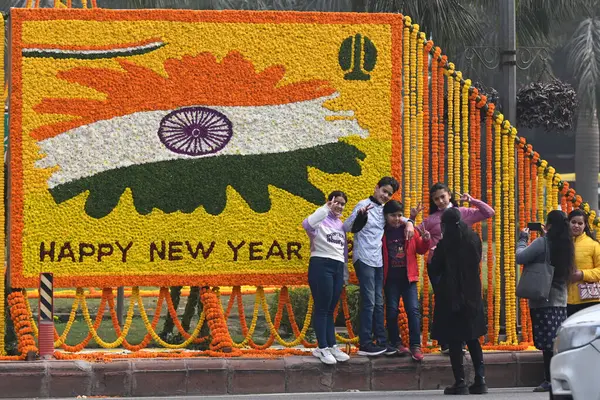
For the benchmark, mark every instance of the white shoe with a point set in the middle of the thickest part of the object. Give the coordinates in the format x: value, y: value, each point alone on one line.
x: 324, y: 355
x: 338, y: 354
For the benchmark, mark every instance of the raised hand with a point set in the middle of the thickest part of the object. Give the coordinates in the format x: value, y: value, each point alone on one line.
x: 365, y: 209
x: 465, y: 197
x: 416, y: 210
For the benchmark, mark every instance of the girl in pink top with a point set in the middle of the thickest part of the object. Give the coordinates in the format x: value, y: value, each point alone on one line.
x: 440, y: 198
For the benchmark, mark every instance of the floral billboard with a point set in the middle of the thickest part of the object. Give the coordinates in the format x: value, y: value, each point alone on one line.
x: 164, y: 147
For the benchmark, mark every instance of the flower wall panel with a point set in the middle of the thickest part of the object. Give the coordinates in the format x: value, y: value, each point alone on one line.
x: 163, y: 147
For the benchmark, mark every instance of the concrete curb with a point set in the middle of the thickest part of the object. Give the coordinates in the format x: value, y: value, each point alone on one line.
x: 204, y: 376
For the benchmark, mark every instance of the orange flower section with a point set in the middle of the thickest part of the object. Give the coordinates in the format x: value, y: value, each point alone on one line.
x: 141, y: 89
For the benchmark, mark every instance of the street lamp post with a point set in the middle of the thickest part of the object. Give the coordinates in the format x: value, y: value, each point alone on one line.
x: 508, y: 61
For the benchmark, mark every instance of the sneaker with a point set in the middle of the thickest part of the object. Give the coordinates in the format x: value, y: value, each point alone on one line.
x: 417, y: 353
x: 370, y: 349
x: 403, y: 351
x: 324, y: 355
x: 338, y: 354
x: 543, y: 387
x: 390, y: 350
x: 457, y: 389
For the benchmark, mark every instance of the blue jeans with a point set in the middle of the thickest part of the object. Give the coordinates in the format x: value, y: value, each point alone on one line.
x: 394, y: 288
x: 370, y: 280
x: 326, y: 280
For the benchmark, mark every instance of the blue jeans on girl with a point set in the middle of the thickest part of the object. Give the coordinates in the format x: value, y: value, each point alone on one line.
x: 326, y: 280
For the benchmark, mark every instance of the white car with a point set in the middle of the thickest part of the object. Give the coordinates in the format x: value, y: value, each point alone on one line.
x: 575, y: 367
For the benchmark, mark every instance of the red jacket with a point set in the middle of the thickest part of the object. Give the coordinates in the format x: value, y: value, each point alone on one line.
x: 412, y: 247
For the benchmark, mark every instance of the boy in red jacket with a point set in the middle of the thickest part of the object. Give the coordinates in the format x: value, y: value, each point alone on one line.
x: 401, y: 275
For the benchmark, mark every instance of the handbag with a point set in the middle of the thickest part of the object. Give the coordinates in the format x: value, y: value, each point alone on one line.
x: 536, y: 279
x: 589, y: 291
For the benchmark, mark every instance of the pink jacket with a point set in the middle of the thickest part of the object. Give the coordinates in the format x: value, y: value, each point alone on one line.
x: 470, y: 216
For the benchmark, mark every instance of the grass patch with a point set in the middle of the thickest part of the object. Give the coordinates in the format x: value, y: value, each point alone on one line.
x: 137, y: 332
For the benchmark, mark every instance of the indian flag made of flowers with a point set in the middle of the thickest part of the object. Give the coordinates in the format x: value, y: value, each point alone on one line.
x: 207, y: 136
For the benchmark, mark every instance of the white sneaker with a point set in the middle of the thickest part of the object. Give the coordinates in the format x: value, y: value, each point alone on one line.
x: 324, y: 355
x: 338, y: 354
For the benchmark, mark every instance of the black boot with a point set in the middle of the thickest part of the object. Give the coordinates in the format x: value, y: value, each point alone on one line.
x: 459, y: 387
x: 479, y: 387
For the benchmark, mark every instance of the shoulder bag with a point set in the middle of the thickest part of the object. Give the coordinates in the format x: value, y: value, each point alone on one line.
x: 536, y: 279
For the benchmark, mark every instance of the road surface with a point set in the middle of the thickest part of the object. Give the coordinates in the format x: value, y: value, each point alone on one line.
x: 495, y: 394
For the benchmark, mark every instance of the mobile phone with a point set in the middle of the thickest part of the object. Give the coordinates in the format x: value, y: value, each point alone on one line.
x: 534, y: 226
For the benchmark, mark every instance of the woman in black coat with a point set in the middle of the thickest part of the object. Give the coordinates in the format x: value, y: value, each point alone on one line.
x: 458, y: 315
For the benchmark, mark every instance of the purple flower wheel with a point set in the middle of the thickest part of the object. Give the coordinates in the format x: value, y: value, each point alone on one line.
x: 195, y: 131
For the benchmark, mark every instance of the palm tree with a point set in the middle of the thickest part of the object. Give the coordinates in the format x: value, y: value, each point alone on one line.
x: 584, y: 62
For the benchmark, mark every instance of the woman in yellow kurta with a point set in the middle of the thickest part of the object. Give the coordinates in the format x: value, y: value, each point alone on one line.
x: 587, y: 263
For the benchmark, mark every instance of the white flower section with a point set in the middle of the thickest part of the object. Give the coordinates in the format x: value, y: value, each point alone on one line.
x: 133, y: 139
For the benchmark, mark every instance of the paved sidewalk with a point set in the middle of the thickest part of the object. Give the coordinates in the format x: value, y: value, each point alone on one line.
x: 214, y: 376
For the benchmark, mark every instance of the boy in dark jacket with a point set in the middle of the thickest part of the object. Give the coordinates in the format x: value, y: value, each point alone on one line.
x: 401, y: 274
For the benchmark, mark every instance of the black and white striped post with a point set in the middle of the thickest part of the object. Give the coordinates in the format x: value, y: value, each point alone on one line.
x: 46, y: 316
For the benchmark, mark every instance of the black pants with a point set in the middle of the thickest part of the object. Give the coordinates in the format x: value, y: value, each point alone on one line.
x: 435, y: 280
x: 547, y: 358
x: 456, y: 359
x: 573, y: 308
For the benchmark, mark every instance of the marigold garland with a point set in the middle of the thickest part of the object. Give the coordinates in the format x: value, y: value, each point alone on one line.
x: 221, y: 340
x: 511, y: 301
x: 498, y: 224
x: 490, y: 224
x: 435, y: 156
x: 22, y: 325
x: 451, y: 128
x: 522, y: 179
x: 442, y: 149
x: 406, y: 103
x: 465, y: 137
x: 457, y: 135
x: 413, y: 133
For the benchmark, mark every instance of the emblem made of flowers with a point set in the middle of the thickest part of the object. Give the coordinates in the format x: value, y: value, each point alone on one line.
x: 179, y: 140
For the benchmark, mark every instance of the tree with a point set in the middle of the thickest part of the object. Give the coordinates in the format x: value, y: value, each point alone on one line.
x: 584, y: 62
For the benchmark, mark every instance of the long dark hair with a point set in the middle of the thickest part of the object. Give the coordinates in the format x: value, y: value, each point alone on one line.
x: 439, y: 186
x: 560, y: 240
x: 586, y: 226
x: 461, y: 249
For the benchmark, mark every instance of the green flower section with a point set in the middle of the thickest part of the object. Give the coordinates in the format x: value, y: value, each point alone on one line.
x: 185, y: 185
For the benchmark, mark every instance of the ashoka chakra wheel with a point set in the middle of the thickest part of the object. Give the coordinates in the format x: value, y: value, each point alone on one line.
x: 195, y: 131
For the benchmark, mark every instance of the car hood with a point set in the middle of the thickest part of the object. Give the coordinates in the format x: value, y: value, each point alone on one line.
x: 590, y: 314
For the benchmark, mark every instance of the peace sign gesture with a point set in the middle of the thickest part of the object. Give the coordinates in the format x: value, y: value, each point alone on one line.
x: 416, y: 210
x: 365, y: 209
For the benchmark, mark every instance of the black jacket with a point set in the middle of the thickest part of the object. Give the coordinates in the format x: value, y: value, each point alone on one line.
x: 458, y: 313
